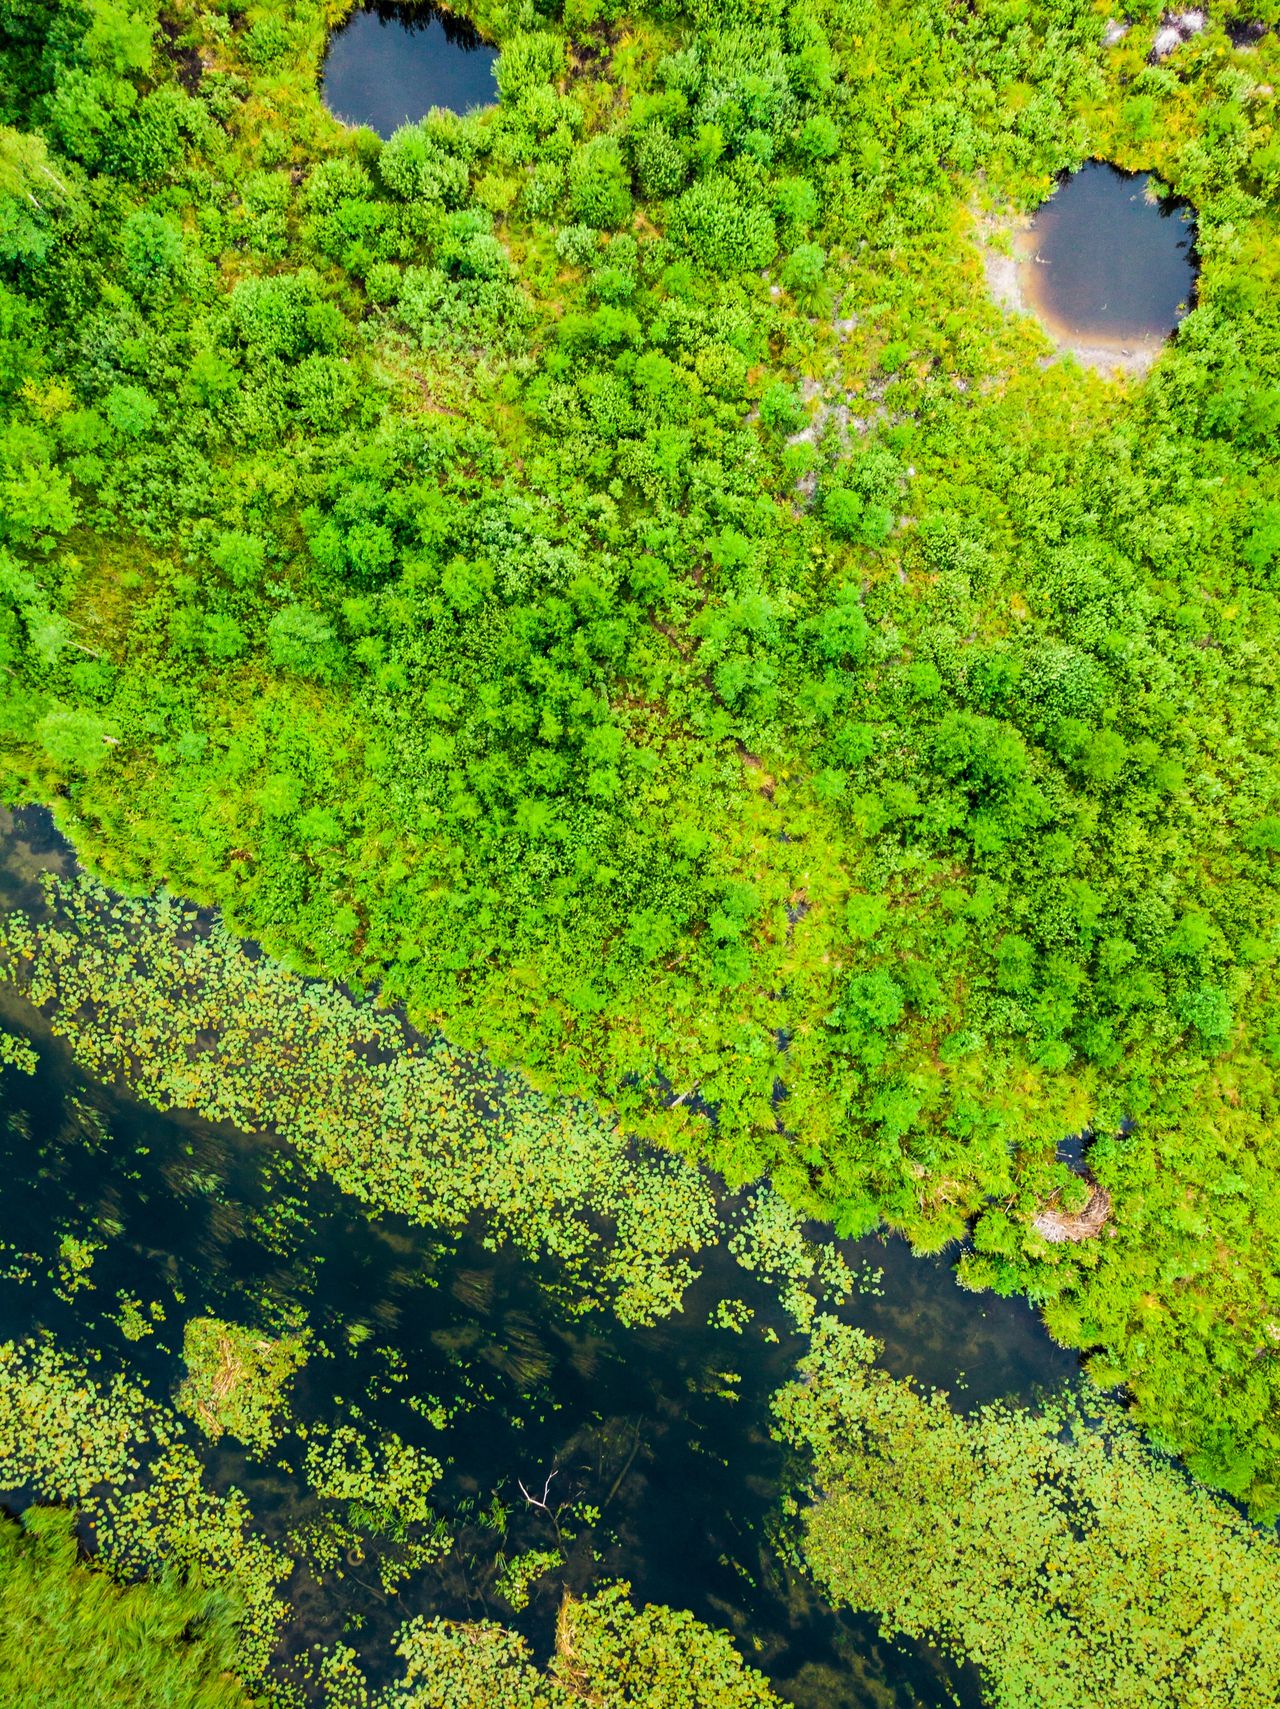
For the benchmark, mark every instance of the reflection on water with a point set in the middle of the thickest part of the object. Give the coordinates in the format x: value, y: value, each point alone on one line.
x: 389, y: 65
x: 663, y: 1432
x: 1106, y: 263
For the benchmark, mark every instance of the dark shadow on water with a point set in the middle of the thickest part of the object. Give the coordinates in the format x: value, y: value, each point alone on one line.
x: 1108, y: 264
x: 664, y: 1430
x: 389, y: 65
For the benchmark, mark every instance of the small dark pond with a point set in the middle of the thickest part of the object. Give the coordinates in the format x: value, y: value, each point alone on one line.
x: 1108, y: 264
x: 664, y: 1430
x: 389, y: 65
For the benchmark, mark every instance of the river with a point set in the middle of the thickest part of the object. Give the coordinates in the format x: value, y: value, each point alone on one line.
x: 664, y: 1430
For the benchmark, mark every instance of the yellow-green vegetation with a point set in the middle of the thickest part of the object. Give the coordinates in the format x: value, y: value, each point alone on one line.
x: 1052, y: 1548
x: 608, y: 1655
x: 17, y: 1053
x: 416, y: 1127
x: 521, y: 1571
x: 135, y: 1323
x: 75, y: 1261
x: 237, y: 1380
x: 70, y: 1638
x: 382, y: 1489
x: 78, y: 1441
x: 122, y: 1459
x: 1072, y: 1563
x: 603, y: 570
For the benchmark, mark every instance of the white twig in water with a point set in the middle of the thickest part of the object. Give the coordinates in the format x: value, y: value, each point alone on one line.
x: 546, y: 1490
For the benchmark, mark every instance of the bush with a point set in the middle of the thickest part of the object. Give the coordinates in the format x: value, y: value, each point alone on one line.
x: 240, y: 556
x: 528, y: 58
x: 804, y: 270
x: 721, y: 230
x: 781, y: 410
x: 819, y: 137
x: 842, y: 512
x: 130, y: 410
x: 266, y: 43
x: 300, y: 640
x: 414, y: 167
x: 661, y: 165
x: 73, y: 738
x: 599, y: 184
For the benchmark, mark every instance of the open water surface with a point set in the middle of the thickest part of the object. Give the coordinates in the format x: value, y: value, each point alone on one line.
x: 1106, y: 263
x: 664, y: 1430
x: 389, y: 65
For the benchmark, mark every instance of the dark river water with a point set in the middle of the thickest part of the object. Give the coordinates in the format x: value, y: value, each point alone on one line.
x: 665, y: 1430
x: 1108, y: 264
x: 389, y: 65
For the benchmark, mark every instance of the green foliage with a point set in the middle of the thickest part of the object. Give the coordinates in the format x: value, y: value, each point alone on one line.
x: 78, y: 1441
x: 236, y: 1380
x: 804, y: 274
x: 599, y: 187
x: 473, y: 1666
x: 74, y: 738
x: 721, y: 231
x: 300, y: 640
x: 529, y: 59
x: 32, y: 198
x: 608, y: 1653
x: 69, y: 1635
x: 415, y: 1128
x: 17, y: 1053
x: 521, y: 1571
x: 458, y: 559
x: 416, y: 166
x: 1054, y: 1549
x: 615, y: 1655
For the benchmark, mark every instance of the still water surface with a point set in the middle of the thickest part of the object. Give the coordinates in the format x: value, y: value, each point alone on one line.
x: 1106, y: 263
x: 389, y: 65
x: 666, y: 1429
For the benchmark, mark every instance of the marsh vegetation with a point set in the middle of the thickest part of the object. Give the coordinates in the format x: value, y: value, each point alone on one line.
x: 709, y: 725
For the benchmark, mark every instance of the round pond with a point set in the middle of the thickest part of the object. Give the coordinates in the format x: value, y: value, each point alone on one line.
x: 389, y: 65
x: 1105, y: 263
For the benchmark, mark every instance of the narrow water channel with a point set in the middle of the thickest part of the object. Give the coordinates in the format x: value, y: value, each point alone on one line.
x: 664, y: 1431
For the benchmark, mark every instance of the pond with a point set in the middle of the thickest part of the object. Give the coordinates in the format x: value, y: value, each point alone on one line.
x: 663, y: 1430
x: 1106, y: 264
x: 389, y: 65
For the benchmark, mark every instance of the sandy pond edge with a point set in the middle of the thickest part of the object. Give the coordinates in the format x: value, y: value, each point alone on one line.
x: 1003, y: 272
